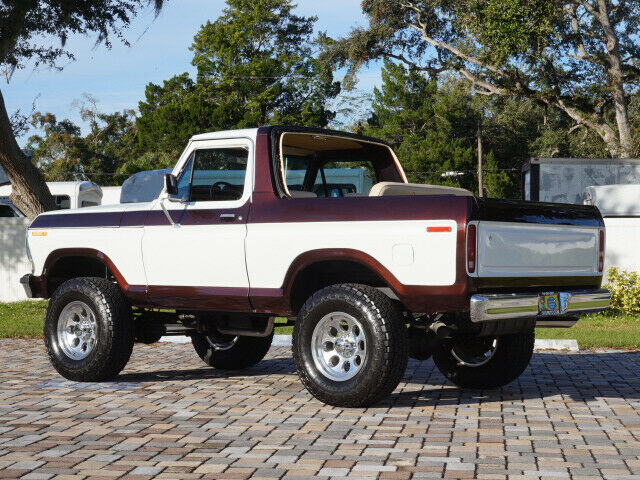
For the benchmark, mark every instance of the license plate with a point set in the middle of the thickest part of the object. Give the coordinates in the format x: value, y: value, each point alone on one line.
x: 548, y: 303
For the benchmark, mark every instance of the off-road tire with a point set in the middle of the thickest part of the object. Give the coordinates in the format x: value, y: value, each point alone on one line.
x: 510, y: 359
x: 387, y: 345
x: 420, y: 343
x: 246, y: 352
x: 115, y: 329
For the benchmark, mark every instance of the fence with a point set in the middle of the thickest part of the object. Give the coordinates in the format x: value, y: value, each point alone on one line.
x: 13, y: 258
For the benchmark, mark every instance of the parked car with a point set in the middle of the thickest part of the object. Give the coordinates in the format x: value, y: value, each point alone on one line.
x: 8, y: 209
x: 67, y: 195
x: 396, y: 269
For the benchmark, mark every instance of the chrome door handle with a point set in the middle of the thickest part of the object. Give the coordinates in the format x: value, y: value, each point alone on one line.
x: 228, y: 216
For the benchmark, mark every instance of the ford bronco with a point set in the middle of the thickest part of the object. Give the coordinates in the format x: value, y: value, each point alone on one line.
x: 322, y: 228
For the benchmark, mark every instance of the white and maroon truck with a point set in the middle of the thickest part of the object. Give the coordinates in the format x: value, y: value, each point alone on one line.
x: 368, y: 272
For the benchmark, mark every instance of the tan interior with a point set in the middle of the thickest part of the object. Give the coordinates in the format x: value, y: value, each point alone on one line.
x: 383, y: 189
x: 302, y: 194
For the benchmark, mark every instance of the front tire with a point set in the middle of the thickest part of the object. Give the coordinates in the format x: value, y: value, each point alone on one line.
x: 227, y: 352
x: 485, y: 362
x: 350, y: 345
x: 88, y: 330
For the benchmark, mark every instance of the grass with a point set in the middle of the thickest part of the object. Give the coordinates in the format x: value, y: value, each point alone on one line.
x: 604, y: 330
x: 610, y: 330
x: 22, y: 319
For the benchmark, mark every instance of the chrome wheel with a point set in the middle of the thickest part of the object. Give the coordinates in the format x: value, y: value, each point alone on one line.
x: 77, y: 330
x: 220, y: 342
x: 474, y: 353
x: 338, y: 346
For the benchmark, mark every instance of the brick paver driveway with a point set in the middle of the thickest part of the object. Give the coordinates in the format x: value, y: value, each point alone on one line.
x: 168, y: 415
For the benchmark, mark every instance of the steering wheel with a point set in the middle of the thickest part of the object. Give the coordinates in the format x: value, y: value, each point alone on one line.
x: 221, y: 187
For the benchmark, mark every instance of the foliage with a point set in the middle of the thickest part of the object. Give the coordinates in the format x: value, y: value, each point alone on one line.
x: 27, y: 25
x: 255, y: 66
x: 625, y: 290
x: 63, y: 153
x: 433, y: 128
x: 26, y: 30
x: 574, y: 55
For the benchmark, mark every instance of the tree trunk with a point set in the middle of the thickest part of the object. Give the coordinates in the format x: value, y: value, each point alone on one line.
x: 29, y: 190
x: 617, y: 81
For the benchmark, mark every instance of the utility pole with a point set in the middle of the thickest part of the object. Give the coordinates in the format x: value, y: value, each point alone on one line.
x: 480, y: 193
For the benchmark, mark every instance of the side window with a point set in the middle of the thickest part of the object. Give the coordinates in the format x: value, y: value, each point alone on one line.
x: 185, y: 180
x: 87, y: 203
x: 218, y: 174
x: 63, y: 202
x: 328, y: 179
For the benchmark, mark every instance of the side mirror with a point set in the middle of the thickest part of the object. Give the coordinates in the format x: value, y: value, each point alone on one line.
x: 171, y: 185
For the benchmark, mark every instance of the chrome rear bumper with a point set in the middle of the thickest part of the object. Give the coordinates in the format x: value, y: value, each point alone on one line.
x: 503, y: 306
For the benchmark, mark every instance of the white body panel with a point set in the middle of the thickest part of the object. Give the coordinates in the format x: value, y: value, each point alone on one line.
x: 522, y: 250
x: 413, y: 255
x: 121, y: 244
x: 210, y: 255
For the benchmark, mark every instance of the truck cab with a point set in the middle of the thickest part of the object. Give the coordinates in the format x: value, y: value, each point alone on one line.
x: 320, y: 227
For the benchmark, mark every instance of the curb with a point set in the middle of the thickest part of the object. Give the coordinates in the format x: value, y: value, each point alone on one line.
x: 285, y: 341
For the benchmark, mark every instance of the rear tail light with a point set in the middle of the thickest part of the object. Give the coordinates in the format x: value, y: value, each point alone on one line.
x: 471, y: 248
x: 601, y: 252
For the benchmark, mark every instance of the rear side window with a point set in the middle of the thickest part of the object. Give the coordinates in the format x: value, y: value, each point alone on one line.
x: 7, y: 212
x: 62, y: 201
x: 218, y: 174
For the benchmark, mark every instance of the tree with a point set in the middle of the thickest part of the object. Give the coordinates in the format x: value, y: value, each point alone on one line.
x: 26, y: 27
x: 578, y: 56
x: 433, y: 126
x: 63, y: 153
x: 255, y: 66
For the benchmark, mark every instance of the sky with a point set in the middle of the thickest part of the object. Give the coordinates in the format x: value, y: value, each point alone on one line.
x: 159, y: 49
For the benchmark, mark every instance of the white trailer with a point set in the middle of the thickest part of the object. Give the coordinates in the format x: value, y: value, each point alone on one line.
x: 564, y: 180
x: 620, y: 208
x: 69, y: 194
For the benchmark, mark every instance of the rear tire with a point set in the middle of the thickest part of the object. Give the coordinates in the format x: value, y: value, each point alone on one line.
x: 88, y: 330
x: 350, y: 345
x: 227, y: 352
x: 485, y: 362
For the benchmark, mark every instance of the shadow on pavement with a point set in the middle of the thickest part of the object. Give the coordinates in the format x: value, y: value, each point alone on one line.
x: 581, y: 377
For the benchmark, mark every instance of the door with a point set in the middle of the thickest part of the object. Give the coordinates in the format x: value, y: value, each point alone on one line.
x: 199, y: 261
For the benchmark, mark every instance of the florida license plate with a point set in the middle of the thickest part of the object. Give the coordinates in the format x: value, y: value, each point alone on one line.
x: 548, y: 303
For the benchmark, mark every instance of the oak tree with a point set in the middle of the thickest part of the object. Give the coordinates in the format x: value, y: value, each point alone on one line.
x: 27, y: 28
x: 578, y: 56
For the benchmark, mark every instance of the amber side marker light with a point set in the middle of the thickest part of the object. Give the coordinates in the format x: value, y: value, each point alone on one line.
x: 471, y: 249
x: 438, y: 229
x: 601, y: 252
x: 38, y: 234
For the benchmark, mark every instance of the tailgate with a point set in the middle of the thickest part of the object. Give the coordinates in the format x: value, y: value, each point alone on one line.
x: 526, y: 249
x: 530, y: 239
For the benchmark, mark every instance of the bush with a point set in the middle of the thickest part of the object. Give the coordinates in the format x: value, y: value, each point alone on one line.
x: 625, y: 290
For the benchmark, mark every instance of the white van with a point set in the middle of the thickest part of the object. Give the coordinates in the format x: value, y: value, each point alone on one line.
x: 69, y: 194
